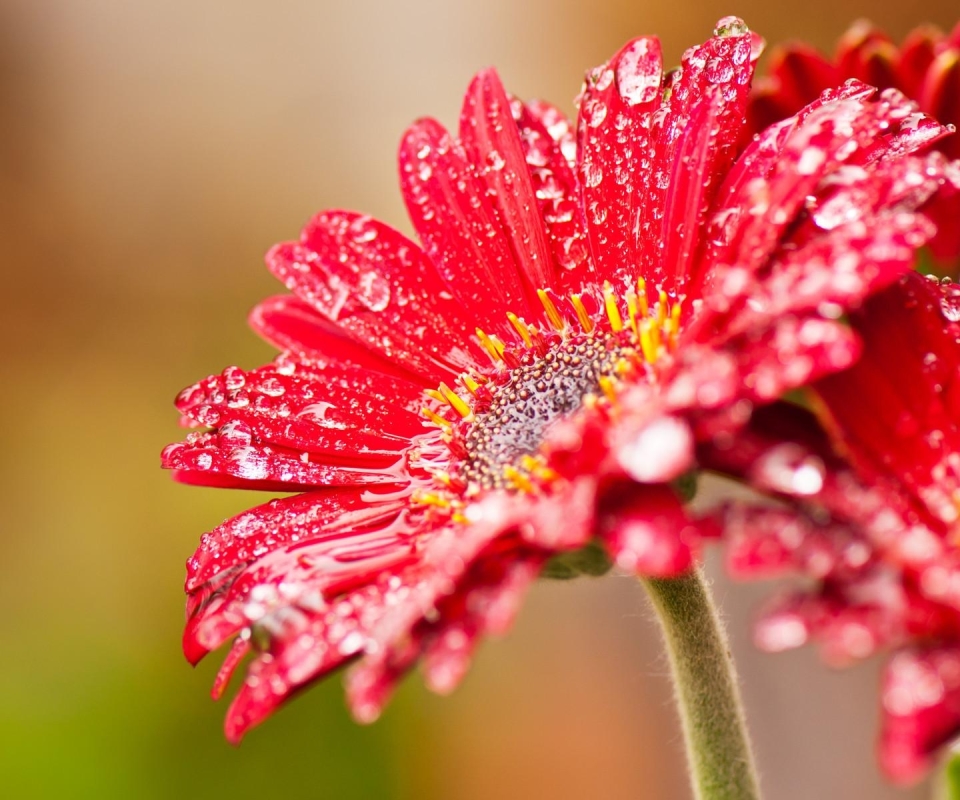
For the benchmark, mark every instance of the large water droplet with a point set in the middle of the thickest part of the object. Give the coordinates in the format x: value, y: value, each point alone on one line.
x: 731, y: 26
x: 950, y: 303
x: 374, y: 291
x: 639, y: 72
x: 592, y: 174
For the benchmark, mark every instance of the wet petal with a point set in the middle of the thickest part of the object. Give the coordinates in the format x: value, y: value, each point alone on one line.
x: 613, y: 134
x: 647, y: 531
x: 548, y: 146
x: 491, y: 141
x: 921, y: 710
x: 293, y: 325
x: 458, y: 226
x: 380, y: 288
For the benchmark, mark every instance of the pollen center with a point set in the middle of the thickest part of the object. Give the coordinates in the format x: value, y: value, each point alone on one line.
x: 585, y: 347
x: 537, y: 393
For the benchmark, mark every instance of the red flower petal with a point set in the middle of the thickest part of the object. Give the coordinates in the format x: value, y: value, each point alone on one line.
x: 911, y: 384
x: 458, y: 226
x: 764, y: 542
x: 230, y: 458
x: 320, y: 545
x: 696, y: 136
x: 548, y: 145
x: 939, y: 95
x: 293, y: 325
x: 308, y: 643
x: 860, y: 37
x: 626, y: 91
x: 802, y: 73
x: 647, y: 531
x: 484, y: 605
x: 282, y: 522
x: 917, y: 53
x: 379, y: 288
x: 492, y: 142
x: 921, y: 704
x: 346, y: 412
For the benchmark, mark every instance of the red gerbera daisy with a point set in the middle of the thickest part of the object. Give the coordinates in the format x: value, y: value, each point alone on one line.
x: 582, y: 307
x: 878, y: 526
x: 926, y: 68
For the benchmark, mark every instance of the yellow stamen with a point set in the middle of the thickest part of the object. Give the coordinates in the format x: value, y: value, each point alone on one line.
x: 662, y: 308
x: 632, y: 312
x: 521, y: 328
x: 646, y: 341
x: 436, y: 418
x: 674, y: 326
x: 535, y: 466
x: 655, y: 336
x: 488, y: 345
x: 553, y: 316
x: 613, y: 312
x: 455, y: 401
x: 585, y: 322
x: 435, y: 395
x: 517, y: 479
x: 608, y: 386
x: 430, y: 499
x: 642, y: 297
x: 470, y: 383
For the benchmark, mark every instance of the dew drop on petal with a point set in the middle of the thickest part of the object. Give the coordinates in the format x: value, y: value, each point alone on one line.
x: 731, y: 26
x: 374, y: 291
x: 950, y: 303
x: 592, y: 174
x: 233, y: 378
x: 661, y: 451
x: 639, y: 73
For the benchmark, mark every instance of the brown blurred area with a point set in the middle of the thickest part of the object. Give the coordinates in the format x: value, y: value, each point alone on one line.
x: 149, y: 154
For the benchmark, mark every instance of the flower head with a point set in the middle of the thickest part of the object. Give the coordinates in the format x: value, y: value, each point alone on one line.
x: 585, y: 306
x: 925, y: 67
x: 870, y: 507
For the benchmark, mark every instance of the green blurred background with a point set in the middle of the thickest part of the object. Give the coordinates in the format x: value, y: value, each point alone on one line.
x: 150, y: 152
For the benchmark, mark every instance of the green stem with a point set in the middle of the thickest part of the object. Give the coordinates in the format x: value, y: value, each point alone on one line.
x: 714, y: 729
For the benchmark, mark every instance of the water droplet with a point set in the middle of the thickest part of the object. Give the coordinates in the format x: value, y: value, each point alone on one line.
x: 731, y: 26
x: 950, y: 303
x: 598, y: 212
x: 207, y: 415
x: 495, y: 160
x: 592, y: 174
x: 811, y: 159
x: 719, y: 70
x: 233, y: 378
x: 604, y: 79
x: 595, y: 112
x: 235, y: 434
x: 661, y: 451
x: 272, y: 387
x: 374, y: 291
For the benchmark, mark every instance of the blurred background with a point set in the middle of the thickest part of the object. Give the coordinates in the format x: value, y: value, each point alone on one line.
x: 150, y: 152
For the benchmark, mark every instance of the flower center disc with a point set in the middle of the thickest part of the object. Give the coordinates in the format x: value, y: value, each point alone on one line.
x: 536, y: 394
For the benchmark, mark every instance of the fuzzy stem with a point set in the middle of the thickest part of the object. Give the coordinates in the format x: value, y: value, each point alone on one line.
x: 714, y: 729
